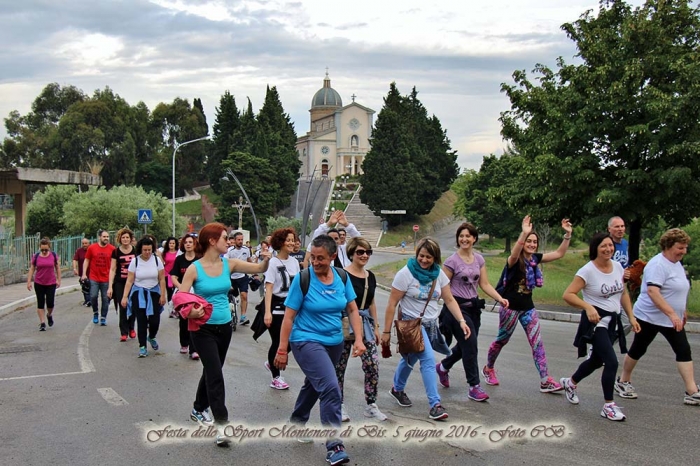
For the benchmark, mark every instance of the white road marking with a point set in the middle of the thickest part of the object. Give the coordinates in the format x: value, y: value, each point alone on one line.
x: 84, y: 360
x: 112, y: 397
x: 84, y: 349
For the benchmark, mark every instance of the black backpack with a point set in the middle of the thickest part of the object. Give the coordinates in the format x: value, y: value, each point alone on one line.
x: 305, y: 278
x: 506, y: 278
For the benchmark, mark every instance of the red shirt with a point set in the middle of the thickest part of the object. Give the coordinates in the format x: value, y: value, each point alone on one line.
x: 79, y: 257
x: 100, y: 262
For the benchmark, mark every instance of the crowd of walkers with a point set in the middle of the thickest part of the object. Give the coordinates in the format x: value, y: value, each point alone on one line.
x: 319, y: 305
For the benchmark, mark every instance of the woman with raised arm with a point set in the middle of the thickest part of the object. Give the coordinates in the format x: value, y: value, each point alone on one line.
x: 209, y: 277
x: 525, y: 276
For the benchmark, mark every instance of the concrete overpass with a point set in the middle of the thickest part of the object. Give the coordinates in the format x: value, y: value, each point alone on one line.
x: 14, y: 181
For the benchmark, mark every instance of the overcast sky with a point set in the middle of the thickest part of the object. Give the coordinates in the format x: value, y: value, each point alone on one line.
x: 456, y: 53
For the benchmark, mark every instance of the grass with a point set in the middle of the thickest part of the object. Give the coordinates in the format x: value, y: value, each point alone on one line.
x: 404, y: 231
x: 557, y: 277
x: 194, y: 207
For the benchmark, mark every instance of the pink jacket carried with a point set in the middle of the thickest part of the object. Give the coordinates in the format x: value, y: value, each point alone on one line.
x: 184, y: 302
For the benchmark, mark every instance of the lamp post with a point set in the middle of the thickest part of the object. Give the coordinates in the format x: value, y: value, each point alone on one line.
x: 229, y: 173
x: 177, y: 146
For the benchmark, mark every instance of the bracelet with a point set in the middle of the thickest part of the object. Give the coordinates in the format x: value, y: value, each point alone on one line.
x: 386, y: 333
x: 460, y: 321
x: 567, y: 237
x: 282, y: 352
x: 522, y: 243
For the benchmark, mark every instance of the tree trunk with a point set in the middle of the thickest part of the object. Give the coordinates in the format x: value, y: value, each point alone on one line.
x: 635, y: 235
x: 507, y: 246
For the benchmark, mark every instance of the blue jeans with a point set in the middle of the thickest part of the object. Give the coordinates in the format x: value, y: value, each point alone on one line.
x: 102, y: 288
x: 317, y: 362
x: 427, y: 371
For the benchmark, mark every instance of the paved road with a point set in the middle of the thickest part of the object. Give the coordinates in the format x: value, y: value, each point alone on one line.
x: 75, y: 394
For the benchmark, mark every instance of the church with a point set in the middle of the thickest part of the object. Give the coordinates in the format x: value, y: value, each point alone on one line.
x: 338, y: 138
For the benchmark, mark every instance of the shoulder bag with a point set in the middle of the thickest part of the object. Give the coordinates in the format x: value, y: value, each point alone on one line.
x: 408, y: 332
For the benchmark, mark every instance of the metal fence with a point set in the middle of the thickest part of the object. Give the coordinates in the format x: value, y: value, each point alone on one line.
x: 16, y: 251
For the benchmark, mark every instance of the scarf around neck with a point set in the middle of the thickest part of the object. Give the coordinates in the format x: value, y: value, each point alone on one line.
x: 424, y: 276
x: 533, y: 274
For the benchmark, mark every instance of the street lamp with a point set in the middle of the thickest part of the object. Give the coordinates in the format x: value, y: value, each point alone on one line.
x: 177, y: 146
x: 229, y: 173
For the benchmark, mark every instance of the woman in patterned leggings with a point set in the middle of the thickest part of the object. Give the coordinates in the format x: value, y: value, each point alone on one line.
x: 526, y: 275
x: 363, y: 281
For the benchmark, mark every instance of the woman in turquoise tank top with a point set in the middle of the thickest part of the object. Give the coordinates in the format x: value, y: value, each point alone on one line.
x: 209, y: 278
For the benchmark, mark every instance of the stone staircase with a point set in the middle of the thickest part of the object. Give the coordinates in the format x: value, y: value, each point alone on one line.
x: 369, y: 225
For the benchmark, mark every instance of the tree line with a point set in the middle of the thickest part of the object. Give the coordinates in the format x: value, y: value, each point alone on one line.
x: 618, y: 133
x: 133, y: 146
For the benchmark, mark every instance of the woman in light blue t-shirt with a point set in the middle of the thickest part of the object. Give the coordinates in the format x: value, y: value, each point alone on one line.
x: 312, y: 326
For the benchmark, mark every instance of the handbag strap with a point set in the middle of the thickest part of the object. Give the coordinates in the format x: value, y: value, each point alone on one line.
x: 430, y: 295
x: 364, y: 296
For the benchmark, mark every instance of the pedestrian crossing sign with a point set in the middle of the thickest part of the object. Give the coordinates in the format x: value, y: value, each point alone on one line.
x: 145, y: 216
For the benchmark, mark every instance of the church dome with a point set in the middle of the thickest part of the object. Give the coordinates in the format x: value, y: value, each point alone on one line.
x: 326, y: 96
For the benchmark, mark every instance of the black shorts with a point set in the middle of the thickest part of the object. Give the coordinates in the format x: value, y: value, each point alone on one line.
x: 677, y: 340
x: 240, y: 284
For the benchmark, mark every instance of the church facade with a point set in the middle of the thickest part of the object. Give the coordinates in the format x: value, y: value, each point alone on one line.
x: 338, y: 138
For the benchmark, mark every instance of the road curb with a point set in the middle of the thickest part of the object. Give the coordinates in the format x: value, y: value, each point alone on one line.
x: 574, y: 316
x: 23, y: 303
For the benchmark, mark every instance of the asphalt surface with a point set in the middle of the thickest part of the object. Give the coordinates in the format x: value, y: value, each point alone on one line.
x: 76, y: 395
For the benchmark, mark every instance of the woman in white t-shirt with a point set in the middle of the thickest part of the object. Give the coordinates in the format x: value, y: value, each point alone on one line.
x: 278, y: 277
x: 145, y: 293
x: 601, y: 281
x: 662, y: 308
x: 410, y: 289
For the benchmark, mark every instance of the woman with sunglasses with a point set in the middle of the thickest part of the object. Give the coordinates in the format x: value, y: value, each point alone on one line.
x: 466, y: 270
x: 48, y: 277
x: 364, y: 283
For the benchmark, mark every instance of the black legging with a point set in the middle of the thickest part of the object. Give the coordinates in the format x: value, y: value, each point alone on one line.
x: 126, y: 324
x: 274, y: 330
x: 185, y: 340
x: 603, y: 353
x: 147, y: 325
x: 466, y: 349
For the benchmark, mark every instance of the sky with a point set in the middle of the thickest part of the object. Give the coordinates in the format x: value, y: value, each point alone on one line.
x: 456, y: 53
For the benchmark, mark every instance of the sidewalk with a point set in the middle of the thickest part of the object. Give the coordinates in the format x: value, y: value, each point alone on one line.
x: 16, y: 296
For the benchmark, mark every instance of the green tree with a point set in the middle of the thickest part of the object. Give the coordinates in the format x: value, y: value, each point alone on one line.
x: 228, y: 120
x: 45, y: 210
x: 411, y: 163
x: 618, y: 133
x: 117, y: 207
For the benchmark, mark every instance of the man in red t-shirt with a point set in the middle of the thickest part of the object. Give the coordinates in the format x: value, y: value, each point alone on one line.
x: 98, y: 260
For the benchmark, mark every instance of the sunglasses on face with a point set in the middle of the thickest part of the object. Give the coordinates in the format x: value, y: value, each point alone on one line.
x: 362, y: 252
x: 43, y: 250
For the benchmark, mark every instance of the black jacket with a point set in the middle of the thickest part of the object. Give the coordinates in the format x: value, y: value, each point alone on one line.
x: 584, y: 334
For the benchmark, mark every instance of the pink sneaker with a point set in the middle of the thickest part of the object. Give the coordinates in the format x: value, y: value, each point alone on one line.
x: 278, y: 383
x: 184, y: 349
x: 550, y: 386
x: 476, y: 393
x: 489, y: 376
x: 194, y: 356
x: 443, y: 376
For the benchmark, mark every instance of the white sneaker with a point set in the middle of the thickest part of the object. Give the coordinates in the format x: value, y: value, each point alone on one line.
x: 692, y: 400
x: 278, y: 383
x: 570, y: 390
x: 612, y: 411
x: 373, y: 411
x: 344, y: 414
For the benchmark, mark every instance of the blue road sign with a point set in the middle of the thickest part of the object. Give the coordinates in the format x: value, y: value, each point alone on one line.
x: 145, y: 216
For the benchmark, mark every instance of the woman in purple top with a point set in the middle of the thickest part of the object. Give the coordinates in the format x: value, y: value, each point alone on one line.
x: 48, y: 277
x: 466, y: 270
